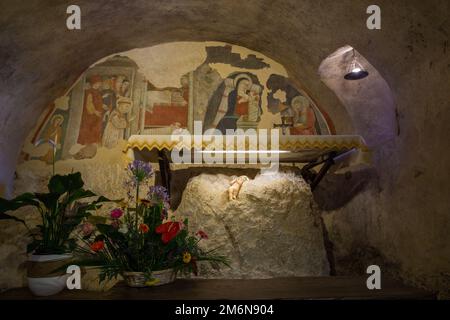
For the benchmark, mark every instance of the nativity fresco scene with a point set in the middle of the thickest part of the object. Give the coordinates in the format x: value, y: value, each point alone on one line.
x: 115, y: 99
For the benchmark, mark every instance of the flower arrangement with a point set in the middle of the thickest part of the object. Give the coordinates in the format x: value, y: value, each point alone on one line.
x: 142, y: 238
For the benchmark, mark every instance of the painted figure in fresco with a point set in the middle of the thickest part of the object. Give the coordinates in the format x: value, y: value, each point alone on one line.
x: 304, y: 117
x: 117, y: 82
x: 53, y: 132
x: 238, y: 98
x: 125, y: 88
x: 254, y: 109
x: 93, y: 112
x: 245, y: 97
x: 294, y: 104
x: 109, y: 99
x: 114, y: 88
x: 121, y: 86
x: 228, y: 85
x: 108, y: 94
x: 117, y: 123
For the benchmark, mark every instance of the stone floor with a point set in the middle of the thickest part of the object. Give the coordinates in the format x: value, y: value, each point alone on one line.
x: 339, y: 288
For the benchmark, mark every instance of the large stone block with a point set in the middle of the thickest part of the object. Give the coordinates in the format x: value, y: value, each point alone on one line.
x: 270, y: 230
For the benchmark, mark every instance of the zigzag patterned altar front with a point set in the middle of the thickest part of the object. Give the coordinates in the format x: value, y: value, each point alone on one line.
x: 294, y: 147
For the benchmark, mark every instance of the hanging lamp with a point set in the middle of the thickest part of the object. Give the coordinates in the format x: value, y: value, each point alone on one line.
x: 355, y: 70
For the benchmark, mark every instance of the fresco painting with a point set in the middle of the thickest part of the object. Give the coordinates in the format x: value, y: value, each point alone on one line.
x: 52, y: 127
x: 118, y: 97
x: 306, y: 116
x: 235, y: 104
x: 167, y: 108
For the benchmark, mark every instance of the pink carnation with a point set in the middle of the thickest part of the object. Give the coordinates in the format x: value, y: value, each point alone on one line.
x: 116, y: 213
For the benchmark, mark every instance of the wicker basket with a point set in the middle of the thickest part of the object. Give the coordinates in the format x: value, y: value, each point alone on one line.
x: 135, y: 279
x: 162, y: 277
x: 138, y: 279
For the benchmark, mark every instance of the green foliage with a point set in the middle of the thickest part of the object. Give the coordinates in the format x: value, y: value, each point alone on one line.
x: 68, y: 183
x: 59, y: 210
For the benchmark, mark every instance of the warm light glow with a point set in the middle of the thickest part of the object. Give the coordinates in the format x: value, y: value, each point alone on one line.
x: 356, y: 70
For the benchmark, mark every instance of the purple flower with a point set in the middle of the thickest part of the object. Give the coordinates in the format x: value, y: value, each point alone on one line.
x: 158, y: 194
x: 140, y: 170
x: 116, y: 213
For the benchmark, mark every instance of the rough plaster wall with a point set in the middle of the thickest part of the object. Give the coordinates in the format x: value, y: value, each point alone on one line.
x: 41, y: 58
x: 406, y: 216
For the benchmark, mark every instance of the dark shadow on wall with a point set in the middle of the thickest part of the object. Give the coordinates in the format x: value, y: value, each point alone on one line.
x: 355, y: 263
x: 337, y: 189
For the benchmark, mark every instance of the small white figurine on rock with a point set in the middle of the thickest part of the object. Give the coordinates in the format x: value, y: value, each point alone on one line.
x: 235, y: 186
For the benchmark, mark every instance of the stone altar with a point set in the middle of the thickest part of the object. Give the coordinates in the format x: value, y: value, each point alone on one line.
x: 271, y: 230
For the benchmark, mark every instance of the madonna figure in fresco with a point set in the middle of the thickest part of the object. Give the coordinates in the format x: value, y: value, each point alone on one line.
x: 235, y: 99
x: 93, y: 111
x: 239, y: 98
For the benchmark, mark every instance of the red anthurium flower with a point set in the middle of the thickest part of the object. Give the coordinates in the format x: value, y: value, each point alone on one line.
x: 169, y: 230
x: 97, y: 246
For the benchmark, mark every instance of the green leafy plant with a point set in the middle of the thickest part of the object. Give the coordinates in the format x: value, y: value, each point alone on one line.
x: 59, y: 210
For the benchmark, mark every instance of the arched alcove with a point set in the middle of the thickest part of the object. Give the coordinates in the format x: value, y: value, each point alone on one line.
x: 369, y: 101
x: 162, y: 88
x: 157, y: 90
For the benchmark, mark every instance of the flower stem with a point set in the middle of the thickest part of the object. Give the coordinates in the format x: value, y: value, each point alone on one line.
x: 137, y: 204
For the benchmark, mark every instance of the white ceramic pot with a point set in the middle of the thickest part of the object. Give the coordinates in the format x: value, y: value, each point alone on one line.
x: 41, y: 275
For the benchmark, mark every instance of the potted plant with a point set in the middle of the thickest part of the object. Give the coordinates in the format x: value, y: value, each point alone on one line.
x: 139, y: 242
x: 52, y: 244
